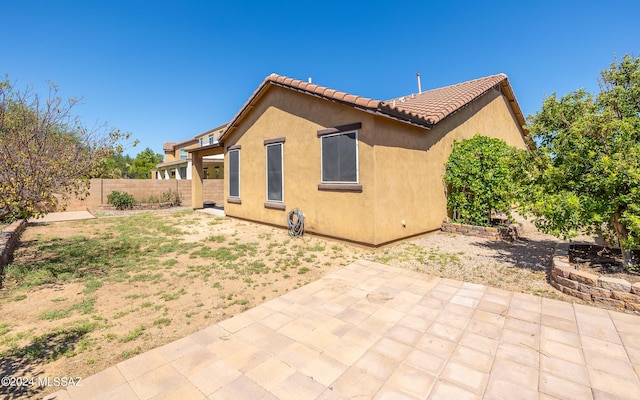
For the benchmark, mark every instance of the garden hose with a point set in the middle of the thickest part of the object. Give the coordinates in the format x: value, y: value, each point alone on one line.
x: 296, y: 225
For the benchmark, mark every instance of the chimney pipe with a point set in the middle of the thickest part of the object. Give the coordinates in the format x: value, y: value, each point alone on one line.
x: 310, y: 80
x: 419, y: 85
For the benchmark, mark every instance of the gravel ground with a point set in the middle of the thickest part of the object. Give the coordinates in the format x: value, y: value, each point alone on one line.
x: 522, y: 265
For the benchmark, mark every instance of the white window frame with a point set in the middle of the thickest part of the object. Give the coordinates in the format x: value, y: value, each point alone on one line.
x: 201, y: 142
x: 211, y: 139
x: 357, y: 181
x: 281, y: 144
x: 183, y: 154
x: 230, y: 170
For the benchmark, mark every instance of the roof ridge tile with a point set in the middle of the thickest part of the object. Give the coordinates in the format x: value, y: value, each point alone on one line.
x: 425, y: 109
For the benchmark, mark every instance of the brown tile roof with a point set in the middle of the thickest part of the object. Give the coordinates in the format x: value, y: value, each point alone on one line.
x: 435, y: 105
x: 322, y: 91
x: 168, y: 146
x: 425, y: 109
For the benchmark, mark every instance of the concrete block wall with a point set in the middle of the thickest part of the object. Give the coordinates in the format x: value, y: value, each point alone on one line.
x: 142, y: 189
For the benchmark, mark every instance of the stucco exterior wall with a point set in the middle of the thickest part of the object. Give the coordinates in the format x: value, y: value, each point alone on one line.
x: 297, y: 118
x: 410, y: 164
x: 400, y: 166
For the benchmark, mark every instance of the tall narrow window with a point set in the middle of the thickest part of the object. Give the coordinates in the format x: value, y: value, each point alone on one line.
x: 340, y: 157
x: 234, y: 173
x: 275, y: 182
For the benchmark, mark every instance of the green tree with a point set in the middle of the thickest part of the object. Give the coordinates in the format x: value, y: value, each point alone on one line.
x: 585, y: 174
x: 144, y: 162
x: 46, y: 153
x: 114, y: 167
x: 479, y: 179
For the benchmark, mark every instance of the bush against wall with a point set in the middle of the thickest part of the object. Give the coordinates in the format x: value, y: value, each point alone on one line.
x: 121, y: 200
x: 170, y: 196
x: 479, y: 178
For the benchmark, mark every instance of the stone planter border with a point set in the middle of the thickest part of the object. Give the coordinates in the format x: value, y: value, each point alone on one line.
x: 8, y: 241
x: 614, y: 292
x: 502, y: 233
x: 140, y: 206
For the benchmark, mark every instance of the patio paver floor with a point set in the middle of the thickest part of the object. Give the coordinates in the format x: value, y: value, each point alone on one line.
x: 374, y: 331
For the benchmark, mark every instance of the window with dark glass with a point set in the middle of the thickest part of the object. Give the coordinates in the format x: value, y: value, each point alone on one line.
x: 234, y: 173
x: 340, y: 157
x: 275, y: 182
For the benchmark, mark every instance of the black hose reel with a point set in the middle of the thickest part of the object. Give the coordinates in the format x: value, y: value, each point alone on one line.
x: 295, y: 220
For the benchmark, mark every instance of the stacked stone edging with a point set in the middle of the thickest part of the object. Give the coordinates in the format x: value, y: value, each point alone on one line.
x: 508, y: 232
x: 615, y: 292
x: 8, y: 241
x: 141, y: 206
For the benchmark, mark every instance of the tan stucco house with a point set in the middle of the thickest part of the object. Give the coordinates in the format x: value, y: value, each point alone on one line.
x: 361, y: 170
x: 177, y: 162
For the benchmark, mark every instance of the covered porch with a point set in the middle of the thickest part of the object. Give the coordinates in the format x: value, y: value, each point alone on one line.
x: 197, y: 171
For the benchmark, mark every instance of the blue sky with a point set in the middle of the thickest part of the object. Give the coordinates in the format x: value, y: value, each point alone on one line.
x: 168, y: 70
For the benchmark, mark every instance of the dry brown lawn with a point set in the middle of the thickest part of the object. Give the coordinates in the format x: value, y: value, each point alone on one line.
x: 84, y: 295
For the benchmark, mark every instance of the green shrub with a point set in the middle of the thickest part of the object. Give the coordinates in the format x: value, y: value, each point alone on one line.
x: 170, y: 196
x: 480, y: 179
x: 121, y: 200
x: 152, y: 199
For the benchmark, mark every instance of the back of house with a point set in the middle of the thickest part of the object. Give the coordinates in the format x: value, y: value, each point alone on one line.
x: 361, y: 170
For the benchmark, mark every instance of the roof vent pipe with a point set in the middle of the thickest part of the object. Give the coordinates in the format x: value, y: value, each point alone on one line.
x: 419, y: 85
x: 309, y: 79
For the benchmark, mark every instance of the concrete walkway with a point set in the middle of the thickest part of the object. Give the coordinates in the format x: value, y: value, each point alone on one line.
x: 64, y: 216
x: 371, y: 331
x: 215, y: 211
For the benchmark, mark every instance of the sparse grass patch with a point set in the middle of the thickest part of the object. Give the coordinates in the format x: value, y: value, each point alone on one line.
x: 52, y: 345
x: 145, y: 277
x: 4, y: 328
x: 171, y: 296
x: 91, y: 285
x: 160, y: 322
x: 217, y: 238
x: 18, y: 297
x: 317, y: 247
x: 133, y: 335
x: 84, y: 307
x: 170, y: 262
x: 135, y: 296
x: 130, y: 353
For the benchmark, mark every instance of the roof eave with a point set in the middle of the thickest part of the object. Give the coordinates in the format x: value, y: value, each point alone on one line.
x: 507, y: 90
x: 389, y: 112
x: 359, y: 103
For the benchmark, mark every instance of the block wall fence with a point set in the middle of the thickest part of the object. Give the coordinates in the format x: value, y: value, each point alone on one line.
x: 142, y: 189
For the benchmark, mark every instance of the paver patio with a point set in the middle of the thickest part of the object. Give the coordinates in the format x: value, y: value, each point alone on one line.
x: 371, y: 331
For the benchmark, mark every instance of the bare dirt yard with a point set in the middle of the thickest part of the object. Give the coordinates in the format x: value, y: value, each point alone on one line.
x: 84, y: 295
